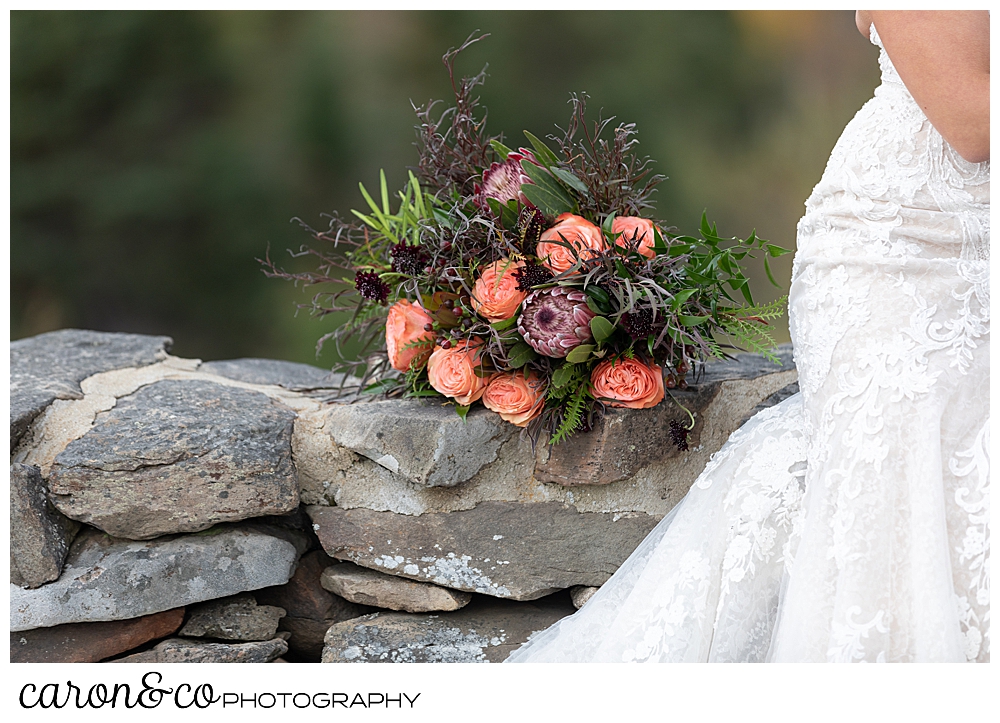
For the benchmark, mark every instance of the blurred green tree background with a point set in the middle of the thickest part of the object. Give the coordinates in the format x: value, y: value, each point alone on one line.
x: 156, y: 155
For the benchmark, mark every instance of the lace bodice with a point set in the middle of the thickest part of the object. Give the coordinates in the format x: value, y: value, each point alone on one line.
x: 892, y: 171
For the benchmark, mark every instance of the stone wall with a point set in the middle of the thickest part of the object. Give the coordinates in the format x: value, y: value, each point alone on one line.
x: 165, y: 509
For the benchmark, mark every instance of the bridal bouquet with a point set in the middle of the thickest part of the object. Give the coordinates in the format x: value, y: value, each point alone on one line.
x: 532, y: 280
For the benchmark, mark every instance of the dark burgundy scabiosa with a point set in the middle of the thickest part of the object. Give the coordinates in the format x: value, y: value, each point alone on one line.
x: 531, y: 275
x: 679, y: 435
x: 555, y: 321
x: 409, y: 260
x: 638, y: 324
x: 370, y: 286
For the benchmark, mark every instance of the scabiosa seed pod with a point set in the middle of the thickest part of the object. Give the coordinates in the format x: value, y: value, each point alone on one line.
x: 531, y: 275
x: 370, y: 286
x: 679, y: 435
x: 555, y: 321
x: 409, y: 260
x: 638, y: 324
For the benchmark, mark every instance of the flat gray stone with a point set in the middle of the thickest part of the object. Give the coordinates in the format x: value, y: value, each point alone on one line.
x: 290, y: 375
x: 178, y: 650
x: 427, y: 444
x: 511, y: 550
x: 233, y: 618
x: 368, y: 587
x: 483, y: 632
x: 179, y: 456
x: 111, y: 579
x: 627, y: 440
x: 51, y: 366
x: 779, y: 396
x: 580, y: 595
x: 40, y: 536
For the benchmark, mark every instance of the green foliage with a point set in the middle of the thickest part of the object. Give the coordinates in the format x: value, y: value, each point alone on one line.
x: 155, y: 154
x: 568, y: 397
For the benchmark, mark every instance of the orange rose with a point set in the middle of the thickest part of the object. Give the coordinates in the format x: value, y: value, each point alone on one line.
x: 516, y: 397
x: 629, y: 382
x: 452, y: 372
x: 634, y: 227
x: 495, y: 296
x: 577, y: 231
x: 404, y: 326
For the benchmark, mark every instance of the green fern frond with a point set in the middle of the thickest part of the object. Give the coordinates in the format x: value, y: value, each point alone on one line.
x: 423, y: 343
x: 771, y: 310
x: 753, y: 337
x: 572, y: 416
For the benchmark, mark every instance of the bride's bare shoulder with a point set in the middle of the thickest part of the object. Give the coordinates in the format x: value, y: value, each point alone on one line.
x: 943, y: 58
x: 863, y: 19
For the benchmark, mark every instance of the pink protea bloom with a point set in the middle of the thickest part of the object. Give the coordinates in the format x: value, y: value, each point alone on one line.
x: 503, y: 180
x: 555, y: 321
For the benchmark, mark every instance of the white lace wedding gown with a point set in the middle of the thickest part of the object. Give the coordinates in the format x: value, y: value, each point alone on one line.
x: 851, y: 521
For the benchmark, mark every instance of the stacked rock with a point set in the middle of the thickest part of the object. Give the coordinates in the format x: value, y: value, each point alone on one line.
x: 168, y: 510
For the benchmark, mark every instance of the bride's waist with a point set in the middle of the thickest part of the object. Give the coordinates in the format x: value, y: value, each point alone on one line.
x: 887, y: 230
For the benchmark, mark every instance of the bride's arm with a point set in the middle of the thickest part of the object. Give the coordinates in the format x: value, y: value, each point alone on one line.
x: 943, y: 58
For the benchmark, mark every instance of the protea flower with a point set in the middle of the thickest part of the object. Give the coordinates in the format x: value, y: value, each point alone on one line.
x: 502, y: 181
x: 555, y: 321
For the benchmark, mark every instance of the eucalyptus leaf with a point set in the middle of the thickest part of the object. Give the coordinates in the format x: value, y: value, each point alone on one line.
x: 570, y: 180
x: 601, y: 328
x: 542, y: 152
x: 681, y: 297
x: 544, y: 179
x: 562, y: 376
x: 580, y: 354
x: 593, y: 306
x: 549, y: 204
x: 692, y: 320
x: 520, y: 354
x: 500, y: 148
x: 505, y: 324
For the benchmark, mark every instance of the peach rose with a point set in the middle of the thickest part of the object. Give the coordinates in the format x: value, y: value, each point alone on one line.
x: 406, y: 325
x: 579, y: 232
x: 452, y: 372
x: 495, y: 295
x: 634, y: 227
x: 516, y: 397
x: 629, y: 382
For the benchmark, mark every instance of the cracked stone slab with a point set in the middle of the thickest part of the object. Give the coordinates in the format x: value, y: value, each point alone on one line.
x: 369, y: 587
x: 51, y: 366
x: 178, y: 650
x: 427, y: 444
x: 628, y: 440
x: 486, y: 632
x: 233, y: 618
x: 179, y: 456
x: 503, y: 549
x: 290, y: 375
x: 105, y: 578
x: 40, y: 536
x: 91, y: 642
